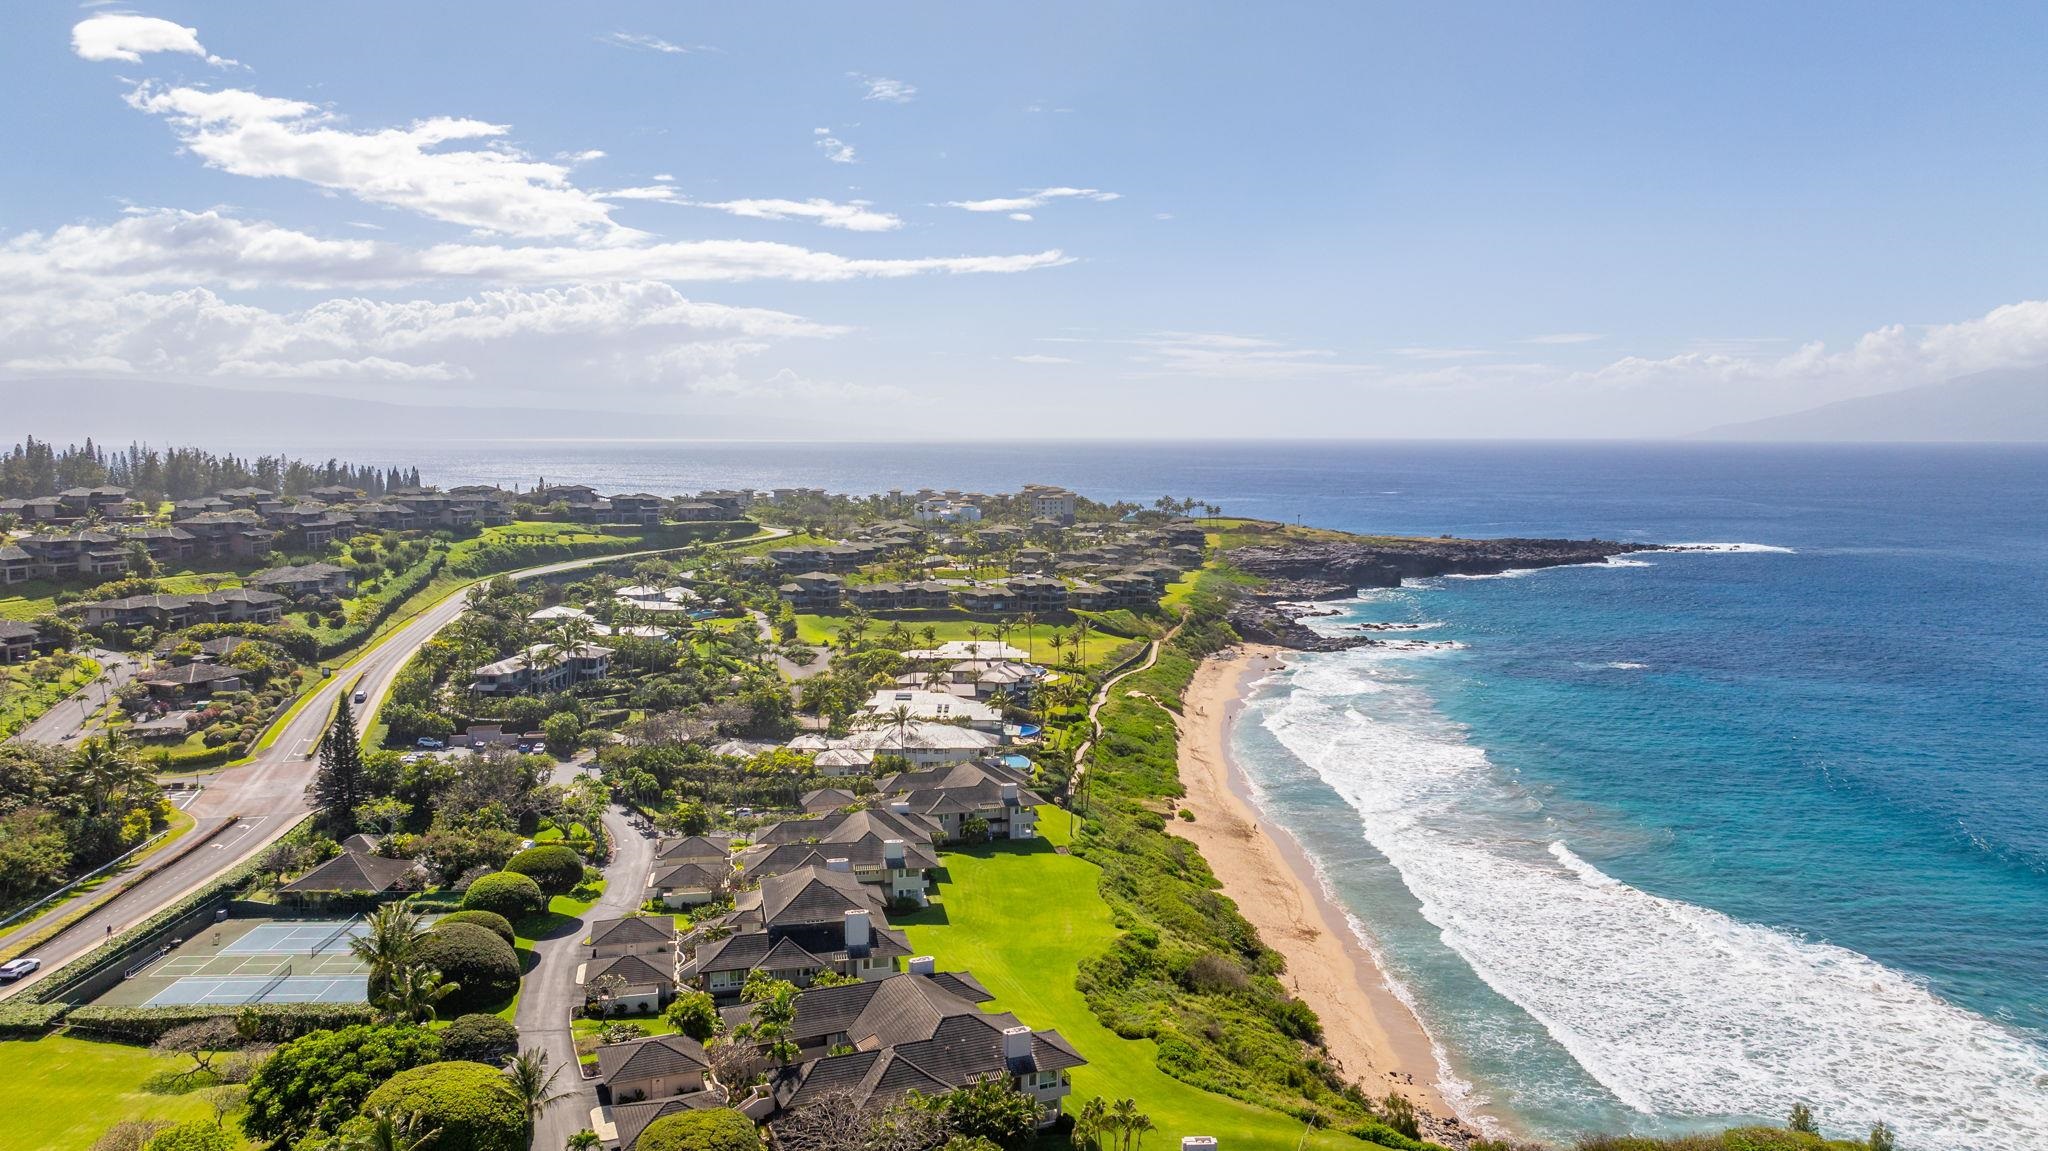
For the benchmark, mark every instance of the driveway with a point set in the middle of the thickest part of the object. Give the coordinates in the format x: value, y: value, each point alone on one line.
x: 551, y: 992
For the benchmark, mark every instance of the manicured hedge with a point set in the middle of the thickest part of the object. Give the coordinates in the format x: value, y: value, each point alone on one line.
x: 471, y: 1105
x: 512, y: 896
x: 197, y: 1135
x: 490, y: 921
x: 722, y: 1129
x: 480, y: 1039
x: 22, y: 1018
x: 485, y: 966
x: 275, y: 1022
x: 557, y: 869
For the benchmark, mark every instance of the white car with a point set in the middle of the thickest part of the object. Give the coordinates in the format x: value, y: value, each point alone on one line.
x: 18, y: 969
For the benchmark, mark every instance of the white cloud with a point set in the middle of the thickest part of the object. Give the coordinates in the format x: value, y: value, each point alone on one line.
x: 1558, y: 338
x: 520, y: 339
x: 125, y: 37
x: 1225, y: 355
x: 664, y: 178
x: 885, y: 90
x: 1417, y: 353
x: 651, y: 192
x: 492, y: 187
x: 853, y: 215
x: 643, y: 41
x: 1021, y: 217
x: 165, y: 247
x: 1036, y: 358
x: 1032, y: 200
x: 836, y: 150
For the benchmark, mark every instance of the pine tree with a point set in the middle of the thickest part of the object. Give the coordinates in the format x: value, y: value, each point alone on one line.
x: 340, y: 785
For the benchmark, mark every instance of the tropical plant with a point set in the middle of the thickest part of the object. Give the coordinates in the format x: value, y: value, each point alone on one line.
x: 533, y: 1083
x: 391, y: 933
x: 695, y: 1014
x: 412, y: 991
x: 386, y: 1130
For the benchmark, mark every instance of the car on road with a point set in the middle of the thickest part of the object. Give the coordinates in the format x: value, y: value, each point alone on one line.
x: 19, y: 969
x: 362, y: 697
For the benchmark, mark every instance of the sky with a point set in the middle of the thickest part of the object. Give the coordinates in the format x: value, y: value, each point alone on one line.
x: 1130, y: 219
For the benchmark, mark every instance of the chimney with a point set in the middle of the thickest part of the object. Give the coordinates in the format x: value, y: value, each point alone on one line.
x: 923, y: 965
x: 900, y: 806
x: 1009, y: 795
x: 838, y: 865
x: 1016, y: 1044
x: 892, y: 853
x: 1198, y: 1143
x: 857, y: 928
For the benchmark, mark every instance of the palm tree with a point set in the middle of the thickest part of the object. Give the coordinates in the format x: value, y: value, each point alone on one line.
x: 974, y: 635
x: 584, y: 1140
x: 109, y: 772
x: 392, y: 932
x: 1030, y: 624
x: 533, y: 1083
x: 389, y: 1131
x: 411, y: 991
x: 1081, y: 631
x: 1059, y: 640
x: 1124, y: 1118
x: 1090, y: 1124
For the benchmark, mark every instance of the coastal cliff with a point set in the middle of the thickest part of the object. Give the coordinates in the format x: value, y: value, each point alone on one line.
x: 1297, y: 572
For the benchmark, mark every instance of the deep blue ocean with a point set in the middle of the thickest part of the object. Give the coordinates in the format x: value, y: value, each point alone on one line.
x: 1655, y: 845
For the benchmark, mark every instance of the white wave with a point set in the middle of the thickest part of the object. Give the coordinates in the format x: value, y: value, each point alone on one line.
x: 1625, y: 563
x: 1733, y: 548
x: 1625, y: 665
x: 1676, y: 1009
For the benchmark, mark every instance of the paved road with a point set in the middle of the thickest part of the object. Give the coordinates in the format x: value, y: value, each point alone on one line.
x: 551, y: 991
x: 65, y: 721
x: 269, y: 792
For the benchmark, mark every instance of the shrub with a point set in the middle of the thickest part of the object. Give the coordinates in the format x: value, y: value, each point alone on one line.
x: 480, y: 1039
x: 17, y: 1018
x: 198, y: 1135
x: 485, y: 966
x: 490, y: 921
x: 510, y: 894
x: 471, y: 1105
x: 721, y: 1129
x: 129, y: 1135
x: 557, y: 869
x: 318, y: 1081
x: 271, y: 1022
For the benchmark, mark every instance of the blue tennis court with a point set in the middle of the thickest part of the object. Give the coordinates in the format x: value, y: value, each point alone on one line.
x: 297, y: 937
x: 250, y: 989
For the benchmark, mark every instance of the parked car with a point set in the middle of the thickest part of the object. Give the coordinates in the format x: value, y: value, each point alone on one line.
x: 540, y: 749
x: 429, y: 742
x: 19, y: 969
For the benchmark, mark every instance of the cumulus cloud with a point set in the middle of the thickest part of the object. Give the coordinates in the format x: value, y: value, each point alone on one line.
x: 125, y: 37
x: 1031, y: 201
x: 635, y: 331
x: 489, y: 186
x: 853, y: 215
x: 884, y: 89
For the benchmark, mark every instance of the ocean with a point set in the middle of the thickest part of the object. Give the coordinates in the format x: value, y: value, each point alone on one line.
x: 1656, y: 845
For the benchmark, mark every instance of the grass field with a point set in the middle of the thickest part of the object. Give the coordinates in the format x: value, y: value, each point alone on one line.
x: 1022, y: 918
x: 60, y: 1094
x: 1037, y: 639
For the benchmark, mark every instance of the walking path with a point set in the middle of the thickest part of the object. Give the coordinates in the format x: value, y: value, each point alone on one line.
x: 1102, y: 696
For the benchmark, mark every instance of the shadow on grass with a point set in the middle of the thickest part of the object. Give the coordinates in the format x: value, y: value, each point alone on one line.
x: 181, y: 1082
x: 933, y: 916
x: 549, y: 925
x: 1036, y: 845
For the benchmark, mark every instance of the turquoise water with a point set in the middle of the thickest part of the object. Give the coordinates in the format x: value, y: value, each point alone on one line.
x: 1653, y: 846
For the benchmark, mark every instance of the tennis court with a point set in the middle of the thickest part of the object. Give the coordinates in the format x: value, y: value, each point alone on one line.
x: 241, y: 961
x: 298, y: 937
x: 283, y: 988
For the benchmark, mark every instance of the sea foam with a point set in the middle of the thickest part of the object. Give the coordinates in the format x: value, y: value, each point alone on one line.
x: 1678, y: 1010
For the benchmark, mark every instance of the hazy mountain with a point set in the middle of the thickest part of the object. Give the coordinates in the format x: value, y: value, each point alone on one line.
x: 117, y: 411
x: 2009, y: 404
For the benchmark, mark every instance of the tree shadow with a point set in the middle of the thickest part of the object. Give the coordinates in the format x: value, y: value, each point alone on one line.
x: 181, y: 1082
x: 932, y: 916
x: 549, y: 925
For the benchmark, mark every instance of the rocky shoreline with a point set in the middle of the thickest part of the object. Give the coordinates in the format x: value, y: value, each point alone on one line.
x: 1298, y: 575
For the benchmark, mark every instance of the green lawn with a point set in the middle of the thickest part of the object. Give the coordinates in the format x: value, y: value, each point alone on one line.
x: 1035, y: 640
x: 60, y: 1094
x: 1022, y: 918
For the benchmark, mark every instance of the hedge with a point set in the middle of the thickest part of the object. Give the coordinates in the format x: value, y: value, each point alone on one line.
x: 512, y: 896
x: 175, y: 758
x: 197, y: 1135
x: 471, y: 1105
x: 720, y: 1129
x: 557, y: 869
x: 485, y: 967
x: 417, y: 577
x: 275, y: 1022
x: 490, y: 921
x: 480, y: 1038
x: 18, y: 1017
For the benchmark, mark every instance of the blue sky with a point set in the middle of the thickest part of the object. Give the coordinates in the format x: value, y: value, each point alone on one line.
x: 1342, y: 219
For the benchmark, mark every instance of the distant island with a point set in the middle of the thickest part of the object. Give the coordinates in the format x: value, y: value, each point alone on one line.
x: 2006, y: 406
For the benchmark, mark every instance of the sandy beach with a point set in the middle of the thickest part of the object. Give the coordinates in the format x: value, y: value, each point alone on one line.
x: 1374, y: 1035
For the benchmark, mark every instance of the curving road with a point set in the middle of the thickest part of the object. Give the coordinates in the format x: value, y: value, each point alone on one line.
x: 268, y: 793
x: 66, y: 720
x: 550, y: 991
